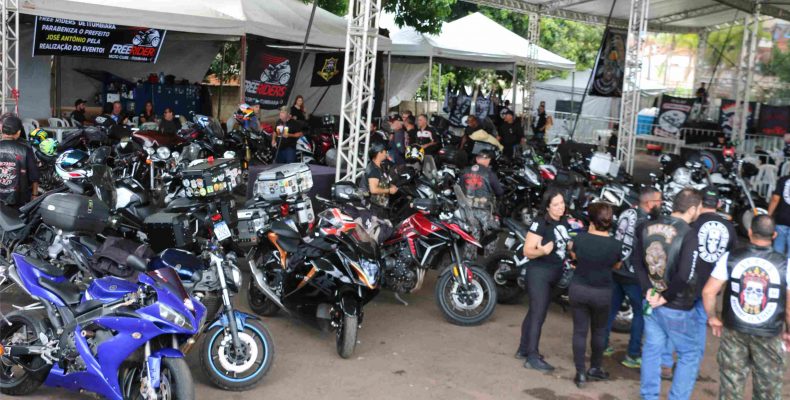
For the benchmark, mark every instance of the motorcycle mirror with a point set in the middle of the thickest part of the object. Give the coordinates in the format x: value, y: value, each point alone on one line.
x: 137, y: 263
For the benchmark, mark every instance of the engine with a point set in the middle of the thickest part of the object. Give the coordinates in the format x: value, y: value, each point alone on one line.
x: 399, y: 275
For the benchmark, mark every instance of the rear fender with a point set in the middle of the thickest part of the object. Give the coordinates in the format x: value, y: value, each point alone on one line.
x: 154, y: 362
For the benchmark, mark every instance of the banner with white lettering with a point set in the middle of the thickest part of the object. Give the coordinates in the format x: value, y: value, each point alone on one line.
x: 67, y: 37
x: 270, y: 73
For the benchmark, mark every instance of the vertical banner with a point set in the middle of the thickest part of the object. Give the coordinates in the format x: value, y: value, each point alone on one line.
x: 727, y: 116
x: 672, y: 114
x: 270, y: 73
x: 66, y: 37
x: 327, y: 69
x: 459, y: 110
x: 774, y: 120
x: 610, y: 66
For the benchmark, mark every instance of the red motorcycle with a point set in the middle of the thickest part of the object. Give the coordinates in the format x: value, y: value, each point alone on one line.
x: 429, y: 239
x: 325, y: 142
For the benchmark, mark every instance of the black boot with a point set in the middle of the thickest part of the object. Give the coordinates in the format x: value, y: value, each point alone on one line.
x: 538, y: 364
x: 597, y: 374
x: 580, y: 379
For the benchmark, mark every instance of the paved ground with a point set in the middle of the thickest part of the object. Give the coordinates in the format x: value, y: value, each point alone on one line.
x: 412, y: 353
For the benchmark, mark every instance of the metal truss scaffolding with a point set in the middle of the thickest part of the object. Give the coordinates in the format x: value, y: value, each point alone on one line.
x: 9, y: 56
x: 629, y: 103
x: 358, y: 81
x: 745, y: 75
x: 533, y: 36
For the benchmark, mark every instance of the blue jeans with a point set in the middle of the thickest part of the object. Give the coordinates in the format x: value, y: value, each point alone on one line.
x: 286, y: 155
x: 682, y: 329
x: 782, y: 241
x: 668, y: 355
x: 634, y: 293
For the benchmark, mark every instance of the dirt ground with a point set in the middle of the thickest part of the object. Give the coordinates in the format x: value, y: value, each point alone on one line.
x: 410, y: 352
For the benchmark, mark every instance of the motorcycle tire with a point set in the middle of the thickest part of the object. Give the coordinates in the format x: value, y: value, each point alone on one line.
x: 28, y: 382
x: 259, y: 303
x: 177, y: 373
x: 237, y: 374
x: 446, y: 294
x: 507, y: 292
x: 347, y: 336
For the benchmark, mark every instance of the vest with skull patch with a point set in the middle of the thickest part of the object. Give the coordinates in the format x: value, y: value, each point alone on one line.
x: 756, y: 290
x: 662, y: 240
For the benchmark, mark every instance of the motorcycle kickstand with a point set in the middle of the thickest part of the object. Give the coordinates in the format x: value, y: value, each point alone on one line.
x: 404, y: 302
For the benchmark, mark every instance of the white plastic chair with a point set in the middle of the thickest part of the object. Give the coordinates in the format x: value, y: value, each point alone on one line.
x: 56, y: 123
x: 28, y: 127
x: 765, y: 180
x: 75, y: 123
x: 31, y: 121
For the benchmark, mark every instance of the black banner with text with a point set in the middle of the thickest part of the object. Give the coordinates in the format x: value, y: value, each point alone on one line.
x: 270, y: 73
x: 67, y: 37
x: 672, y: 114
x: 327, y: 69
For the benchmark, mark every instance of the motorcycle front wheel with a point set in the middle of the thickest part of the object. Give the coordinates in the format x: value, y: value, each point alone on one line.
x: 236, y: 371
x: 175, y: 382
x: 470, y: 305
x: 346, y: 340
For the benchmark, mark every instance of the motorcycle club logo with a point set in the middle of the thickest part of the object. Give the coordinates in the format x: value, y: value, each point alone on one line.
x: 753, y: 300
x: 147, y: 38
x: 656, y: 260
x: 277, y: 70
x: 786, y: 192
x: 473, y: 181
x: 712, y: 241
x: 7, y: 173
x: 144, y: 44
x: 561, y: 239
x: 329, y: 70
x: 625, y: 230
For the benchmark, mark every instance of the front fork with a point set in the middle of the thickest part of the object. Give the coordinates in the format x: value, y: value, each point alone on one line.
x: 227, y: 305
x: 460, y: 270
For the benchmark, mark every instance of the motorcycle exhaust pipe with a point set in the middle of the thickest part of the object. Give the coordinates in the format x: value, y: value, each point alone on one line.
x: 257, y: 276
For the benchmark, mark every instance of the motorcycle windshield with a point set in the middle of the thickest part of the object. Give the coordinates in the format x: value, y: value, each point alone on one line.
x: 168, y: 278
x: 104, y: 184
x: 363, y: 241
x: 100, y: 155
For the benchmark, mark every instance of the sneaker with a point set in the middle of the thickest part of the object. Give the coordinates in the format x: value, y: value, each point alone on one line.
x: 538, y: 364
x: 666, y: 373
x: 632, y: 362
x: 608, y: 352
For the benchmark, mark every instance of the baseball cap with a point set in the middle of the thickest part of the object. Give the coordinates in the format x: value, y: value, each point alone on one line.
x: 11, y: 125
x: 710, y: 197
x: 79, y: 101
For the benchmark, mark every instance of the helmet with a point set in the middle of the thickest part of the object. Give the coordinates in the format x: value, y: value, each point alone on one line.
x: 375, y: 148
x: 414, y: 154
x: 682, y: 176
x: 72, y: 165
x: 37, y: 136
x: 48, y: 146
x: 333, y: 222
x: 346, y: 191
x: 245, y: 111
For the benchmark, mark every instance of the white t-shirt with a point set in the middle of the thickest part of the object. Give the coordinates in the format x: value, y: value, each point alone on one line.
x: 720, y: 270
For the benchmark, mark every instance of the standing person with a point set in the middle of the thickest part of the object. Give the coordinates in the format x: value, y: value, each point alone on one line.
x: 298, y: 112
x: 410, y: 125
x: 481, y: 186
x: 755, y: 313
x: 169, y: 124
x: 590, y: 292
x: 397, y: 145
x: 779, y: 208
x: 670, y: 285
x: 19, y: 183
x: 626, y: 282
x: 545, y: 246
x: 510, y: 134
x: 148, y: 114
x: 426, y: 136
x: 78, y: 114
x: 405, y: 114
x: 702, y: 94
x: 542, y: 123
x: 378, y: 181
x: 289, y: 131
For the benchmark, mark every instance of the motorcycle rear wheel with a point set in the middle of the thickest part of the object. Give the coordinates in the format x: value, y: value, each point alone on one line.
x: 259, y: 303
x: 347, y: 335
x: 236, y: 373
x: 507, y: 292
x: 14, y: 379
x: 449, y: 292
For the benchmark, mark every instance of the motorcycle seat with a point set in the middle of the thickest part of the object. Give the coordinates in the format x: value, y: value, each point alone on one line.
x: 44, y: 267
x: 287, y: 238
x: 87, y: 306
x: 67, y: 291
x: 9, y: 218
x: 516, y: 226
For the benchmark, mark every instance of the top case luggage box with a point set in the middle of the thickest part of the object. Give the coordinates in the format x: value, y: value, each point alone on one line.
x: 283, y: 181
x: 75, y: 213
x: 603, y: 164
x: 209, y: 179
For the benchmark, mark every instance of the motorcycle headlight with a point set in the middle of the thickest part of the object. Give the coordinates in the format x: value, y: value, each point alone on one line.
x: 367, y: 270
x: 234, y: 274
x: 170, y: 315
x: 163, y: 153
x: 176, y: 155
x: 531, y: 176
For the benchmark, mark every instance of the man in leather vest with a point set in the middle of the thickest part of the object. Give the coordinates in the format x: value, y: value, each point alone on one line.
x: 755, y: 314
x: 18, y: 167
x: 626, y: 282
x: 669, y: 284
x: 480, y: 184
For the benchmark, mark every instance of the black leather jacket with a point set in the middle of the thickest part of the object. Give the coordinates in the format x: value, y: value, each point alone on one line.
x: 18, y: 170
x: 627, y: 224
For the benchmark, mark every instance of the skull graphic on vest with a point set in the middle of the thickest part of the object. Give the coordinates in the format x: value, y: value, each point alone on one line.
x: 755, y: 284
x: 753, y: 300
x: 656, y: 260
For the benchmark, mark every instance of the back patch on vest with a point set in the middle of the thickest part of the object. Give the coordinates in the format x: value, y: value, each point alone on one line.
x: 712, y: 240
x: 752, y: 301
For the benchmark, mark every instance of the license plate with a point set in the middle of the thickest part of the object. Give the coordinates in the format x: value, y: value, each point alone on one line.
x: 221, y: 230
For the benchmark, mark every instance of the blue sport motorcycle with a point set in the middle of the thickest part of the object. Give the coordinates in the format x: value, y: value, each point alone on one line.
x: 118, y: 339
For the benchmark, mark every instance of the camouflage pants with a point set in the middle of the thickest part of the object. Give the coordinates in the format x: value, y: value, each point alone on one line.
x: 482, y: 222
x: 738, y: 354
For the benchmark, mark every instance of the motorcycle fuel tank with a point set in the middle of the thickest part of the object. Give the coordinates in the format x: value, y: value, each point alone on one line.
x: 109, y: 288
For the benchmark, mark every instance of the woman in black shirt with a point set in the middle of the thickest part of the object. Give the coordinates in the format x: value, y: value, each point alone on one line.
x: 545, y: 246
x: 378, y: 180
x: 590, y: 292
x: 148, y: 113
x: 297, y: 110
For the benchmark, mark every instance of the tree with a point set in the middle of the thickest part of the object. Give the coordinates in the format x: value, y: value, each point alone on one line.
x: 425, y: 16
x: 231, y: 67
